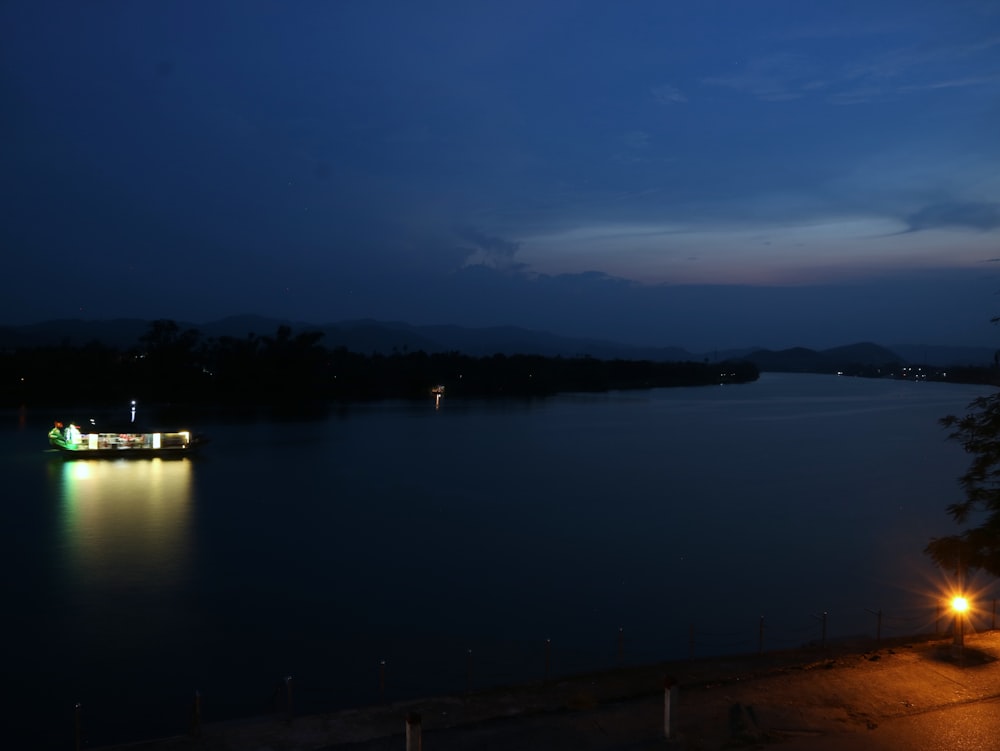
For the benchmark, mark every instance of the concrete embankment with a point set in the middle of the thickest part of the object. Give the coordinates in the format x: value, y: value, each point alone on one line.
x: 843, y: 691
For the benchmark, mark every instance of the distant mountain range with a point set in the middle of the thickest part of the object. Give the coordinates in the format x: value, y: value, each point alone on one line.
x: 370, y: 336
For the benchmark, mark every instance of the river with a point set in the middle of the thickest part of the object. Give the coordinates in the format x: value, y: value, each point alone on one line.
x: 400, y: 549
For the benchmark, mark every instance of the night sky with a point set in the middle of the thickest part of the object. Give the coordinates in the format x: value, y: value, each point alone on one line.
x: 696, y: 174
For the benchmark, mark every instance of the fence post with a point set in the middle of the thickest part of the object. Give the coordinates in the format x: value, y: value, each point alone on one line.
x: 196, y: 714
x: 413, y: 739
x: 669, y: 701
x: 77, y: 725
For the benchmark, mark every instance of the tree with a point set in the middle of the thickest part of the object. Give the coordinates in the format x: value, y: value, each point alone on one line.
x: 168, y: 366
x: 977, y: 547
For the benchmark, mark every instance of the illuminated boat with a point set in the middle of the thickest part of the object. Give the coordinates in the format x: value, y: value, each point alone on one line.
x: 71, y: 441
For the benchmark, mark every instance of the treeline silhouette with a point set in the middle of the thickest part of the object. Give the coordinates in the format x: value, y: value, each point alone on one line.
x: 173, y: 366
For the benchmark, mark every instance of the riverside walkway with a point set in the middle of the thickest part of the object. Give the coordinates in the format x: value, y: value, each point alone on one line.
x: 919, y: 693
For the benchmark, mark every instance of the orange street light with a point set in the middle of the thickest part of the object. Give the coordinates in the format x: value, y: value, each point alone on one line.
x: 960, y: 605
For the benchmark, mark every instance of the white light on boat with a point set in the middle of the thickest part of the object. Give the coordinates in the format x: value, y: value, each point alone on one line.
x: 156, y: 440
x: 92, y: 441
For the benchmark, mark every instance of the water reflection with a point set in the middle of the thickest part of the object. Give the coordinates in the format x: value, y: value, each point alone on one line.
x: 126, y: 521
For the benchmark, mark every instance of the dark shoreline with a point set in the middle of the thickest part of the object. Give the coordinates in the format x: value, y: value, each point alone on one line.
x: 706, y: 688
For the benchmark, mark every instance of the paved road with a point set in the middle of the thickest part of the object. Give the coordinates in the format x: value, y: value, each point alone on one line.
x: 963, y: 727
x: 630, y: 726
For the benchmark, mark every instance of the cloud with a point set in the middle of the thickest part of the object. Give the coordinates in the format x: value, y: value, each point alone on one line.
x: 905, y: 72
x: 970, y: 215
x: 487, y: 250
x: 666, y: 93
x: 868, y: 74
x: 953, y: 83
x: 773, y: 78
x: 636, y: 139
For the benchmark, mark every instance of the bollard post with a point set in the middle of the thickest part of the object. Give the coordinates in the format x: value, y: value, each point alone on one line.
x: 878, y: 624
x: 196, y: 714
x: 77, y: 725
x: 669, y: 703
x: 413, y: 739
x: 468, y: 671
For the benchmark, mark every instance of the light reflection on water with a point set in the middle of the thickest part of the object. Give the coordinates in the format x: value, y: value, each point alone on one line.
x: 126, y: 521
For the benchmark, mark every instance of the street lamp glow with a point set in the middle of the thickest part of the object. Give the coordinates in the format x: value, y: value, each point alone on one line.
x: 959, y: 604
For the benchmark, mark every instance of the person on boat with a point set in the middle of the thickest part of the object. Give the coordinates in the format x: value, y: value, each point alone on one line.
x: 56, y: 433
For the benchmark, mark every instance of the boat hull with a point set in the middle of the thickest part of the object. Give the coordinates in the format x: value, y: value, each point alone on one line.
x: 67, y: 453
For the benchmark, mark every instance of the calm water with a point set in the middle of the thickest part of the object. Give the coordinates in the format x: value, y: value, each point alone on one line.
x: 395, y: 550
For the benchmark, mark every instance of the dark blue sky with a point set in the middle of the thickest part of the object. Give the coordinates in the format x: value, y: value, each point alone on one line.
x: 699, y: 174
